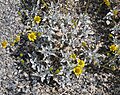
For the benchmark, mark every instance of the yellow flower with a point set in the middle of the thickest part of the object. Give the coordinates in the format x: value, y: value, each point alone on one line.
x: 37, y: 19
x: 51, y: 68
x: 110, y: 35
x: 17, y: 39
x: 57, y: 71
x: 81, y: 63
x: 118, y: 52
x: 84, y: 44
x: 113, y: 47
x: 32, y: 36
x: 21, y: 54
x: 22, y: 61
x: 73, y: 56
x: 12, y: 44
x: 107, y: 2
x: 4, y: 44
x: 78, y: 70
x: 115, y: 12
x: 113, y: 68
x: 39, y: 34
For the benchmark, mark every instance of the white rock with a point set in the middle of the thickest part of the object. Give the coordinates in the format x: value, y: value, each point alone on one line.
x: 107, y: 22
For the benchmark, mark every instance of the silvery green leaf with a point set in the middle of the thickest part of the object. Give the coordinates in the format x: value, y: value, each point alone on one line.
x: 31, y: 60
x: 63, y: 85
x: 38, y: 68
x: 68, y: 84
x: 34, y: 66
x: 29, y: 55
x: 43, y: 78
x: 56, y: 79
x: 60, y: 73
x: 38, y: 2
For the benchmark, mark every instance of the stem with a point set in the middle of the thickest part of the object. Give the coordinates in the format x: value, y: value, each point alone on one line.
x: 44, y: 3
x: 87, y: 6
x: 99, y: 7
x: 26, y: 67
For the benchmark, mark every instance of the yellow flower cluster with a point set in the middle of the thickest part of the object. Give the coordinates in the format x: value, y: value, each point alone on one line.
x: 77, y: 70
x: 32, y: 36
x: 80, y: 65
x: 4, y: 44
x: 73, y: 56
x: 107, y: 2
x: 113, y: 47
x: 115, y: 13
x: 17, y: 39
x: 37, y: 19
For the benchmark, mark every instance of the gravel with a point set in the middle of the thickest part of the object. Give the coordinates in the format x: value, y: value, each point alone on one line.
x: 14, y: 82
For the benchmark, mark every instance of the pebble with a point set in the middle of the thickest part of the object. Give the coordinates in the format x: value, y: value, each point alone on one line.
x: 47, y: 89
x: 60, y: 90
x: 53, y: 90
x: 4, y: 77
x: 84, y: 91
x: 108, y: 22
x: 10, y: 76
x: 45, y: 94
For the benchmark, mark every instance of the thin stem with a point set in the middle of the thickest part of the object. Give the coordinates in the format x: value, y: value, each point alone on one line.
x: 87, y: 6
x: 99, y: 7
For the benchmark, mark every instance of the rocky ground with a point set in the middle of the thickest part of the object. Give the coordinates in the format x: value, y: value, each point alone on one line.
x: 12, y: 81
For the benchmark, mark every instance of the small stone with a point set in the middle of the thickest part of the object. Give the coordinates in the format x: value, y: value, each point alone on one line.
x: 53, y: 90
x: 59, y: 34
x: 108, y: 22
x: 45, y: 94
x: 95, y: 75
x: 10, y: 76
x: 19, y: 71
x: 47, y: 89
x: 42, y: 91
x: 60, y: 90
x: 84, y: 91
x: 21, y: 86
x: 67, y: 48
x: 4, y: 77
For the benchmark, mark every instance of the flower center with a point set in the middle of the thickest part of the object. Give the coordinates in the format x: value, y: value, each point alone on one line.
x: 77, y: 70
x: 32, y: 36
x: 37, y: 19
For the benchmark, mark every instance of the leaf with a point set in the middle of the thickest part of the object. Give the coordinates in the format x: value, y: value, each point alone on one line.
x: 50, y: 69
x: 57, y: 71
